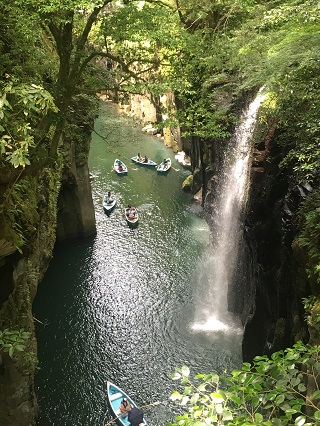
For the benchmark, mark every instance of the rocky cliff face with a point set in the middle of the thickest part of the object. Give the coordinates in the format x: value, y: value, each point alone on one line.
x: 20, y: 274
x: 278, y: 281
x: 56, y: 203
x: 75, y: 205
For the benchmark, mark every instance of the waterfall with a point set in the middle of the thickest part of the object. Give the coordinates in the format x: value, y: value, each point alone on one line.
x: 218, y: 270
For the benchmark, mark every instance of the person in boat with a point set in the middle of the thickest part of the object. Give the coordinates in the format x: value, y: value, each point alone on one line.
x: 145, y: 160
x: 109, y: 198
x: 132, y: 213
x: 120, y: 166
x: 139, y: 158
x: 165, y: 163
x: 128, y: 210
x: 125, y: 407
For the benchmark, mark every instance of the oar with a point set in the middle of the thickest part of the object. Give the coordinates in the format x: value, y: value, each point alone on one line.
x: 142, y: 406
x: 112, y: 421
x: 173, y: 168
x: 150, y: 405
x: 98, y: 193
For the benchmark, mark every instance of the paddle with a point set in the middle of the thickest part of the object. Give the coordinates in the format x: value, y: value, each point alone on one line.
x: 98, y: 193
x: 143, y: 406
x: 171, y: 167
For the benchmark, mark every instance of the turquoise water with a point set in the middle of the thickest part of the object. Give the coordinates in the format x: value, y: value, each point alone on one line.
x: 120, y: 306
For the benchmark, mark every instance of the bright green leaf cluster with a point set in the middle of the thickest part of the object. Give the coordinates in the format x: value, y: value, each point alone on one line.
x: 12, y: 341
x: 18, y: 104
x: 269, y: 392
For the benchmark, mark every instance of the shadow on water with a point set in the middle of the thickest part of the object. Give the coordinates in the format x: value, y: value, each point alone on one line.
x: 120, y: 306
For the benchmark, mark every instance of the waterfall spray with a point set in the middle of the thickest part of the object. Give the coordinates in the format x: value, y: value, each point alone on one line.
x: 218, y: 270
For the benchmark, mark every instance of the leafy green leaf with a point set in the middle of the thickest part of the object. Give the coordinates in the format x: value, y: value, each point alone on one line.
x: 315, y: 395
x: 236, y: 399
x: 258, y: 417
x: 300, y: 421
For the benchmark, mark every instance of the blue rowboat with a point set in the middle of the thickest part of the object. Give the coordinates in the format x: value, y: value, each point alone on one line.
x: 164, y: 166
x: 142, y: 162
x: 134, y: 416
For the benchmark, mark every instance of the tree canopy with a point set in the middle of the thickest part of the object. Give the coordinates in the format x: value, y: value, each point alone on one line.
x: 208, y: 56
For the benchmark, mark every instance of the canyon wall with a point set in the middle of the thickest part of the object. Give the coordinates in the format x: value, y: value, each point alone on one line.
x: 54, y: 203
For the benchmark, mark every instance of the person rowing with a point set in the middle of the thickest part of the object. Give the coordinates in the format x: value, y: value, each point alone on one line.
x: 132, y: 213
x: 108, y: 198
x: 125, y: 407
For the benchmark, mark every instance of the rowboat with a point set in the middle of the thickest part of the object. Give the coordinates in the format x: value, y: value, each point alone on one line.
x: 164, y: 166
x: 115, y: 398
x: 109, y: 202
x: 142, y: 162
x: 120, y: 167
x: 132, y: 219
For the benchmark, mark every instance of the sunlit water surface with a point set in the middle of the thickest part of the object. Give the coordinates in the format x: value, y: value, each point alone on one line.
x: 121, y: 306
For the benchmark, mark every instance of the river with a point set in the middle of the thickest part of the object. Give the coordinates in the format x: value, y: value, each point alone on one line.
x: 121, y: 306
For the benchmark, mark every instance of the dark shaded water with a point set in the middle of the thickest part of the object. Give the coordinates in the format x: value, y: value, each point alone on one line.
x: 121, y: 306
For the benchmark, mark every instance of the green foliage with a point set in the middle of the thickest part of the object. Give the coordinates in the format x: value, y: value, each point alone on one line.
x: 207, y: 55
x: 297, y: 103
x: 308, y: 303
x: 309, y: 236
x: 13, y: 341
x: 312, y: 309
x: 270, y: 392
x: 20, y: 217
x: 146, y: 38
x: 19, y: 104
x: 25, y: 50
x: 269, y: 43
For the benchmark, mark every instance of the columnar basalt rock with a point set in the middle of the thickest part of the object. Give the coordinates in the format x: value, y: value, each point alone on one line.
x: 75, y: 205
x: 277, y: 317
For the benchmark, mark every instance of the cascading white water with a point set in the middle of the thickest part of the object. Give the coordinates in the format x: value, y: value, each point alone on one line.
x: 218, y: 269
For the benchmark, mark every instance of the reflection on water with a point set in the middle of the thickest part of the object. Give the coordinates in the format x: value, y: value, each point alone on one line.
x: 118, y: 307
